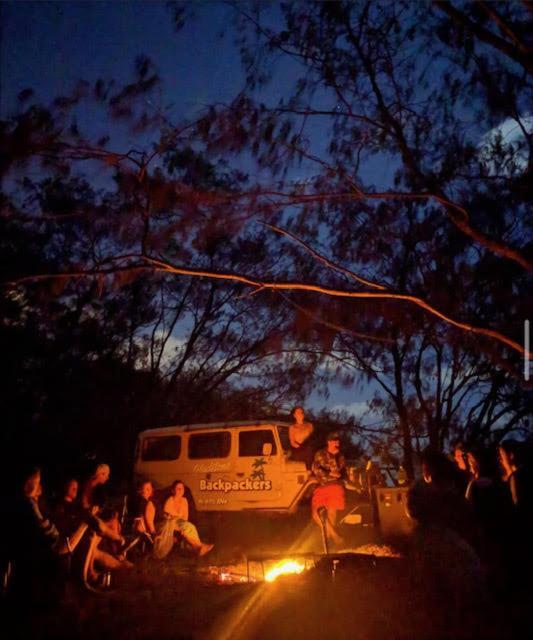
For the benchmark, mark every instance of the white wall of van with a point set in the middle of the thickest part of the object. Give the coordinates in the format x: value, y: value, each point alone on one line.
x: 228, y: 466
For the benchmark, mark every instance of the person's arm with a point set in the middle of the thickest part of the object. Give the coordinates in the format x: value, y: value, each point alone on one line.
x: 149, y: 516
x: 292, y: 440
x: 107, y: 531
x: 47, y: 528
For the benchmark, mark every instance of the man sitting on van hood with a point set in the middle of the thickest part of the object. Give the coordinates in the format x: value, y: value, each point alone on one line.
x: 329, y: 466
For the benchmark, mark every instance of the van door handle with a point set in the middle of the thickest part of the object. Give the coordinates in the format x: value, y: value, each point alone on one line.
x: 240, y: 475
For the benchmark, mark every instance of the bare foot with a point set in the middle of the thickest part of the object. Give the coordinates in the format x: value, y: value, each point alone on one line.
x: 205, y: 548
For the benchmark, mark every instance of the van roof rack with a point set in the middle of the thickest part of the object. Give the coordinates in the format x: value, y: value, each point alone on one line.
x: 213, y: 425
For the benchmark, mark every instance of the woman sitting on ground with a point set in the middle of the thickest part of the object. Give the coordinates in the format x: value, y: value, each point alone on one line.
x: 176, y: 512
x: 143, y: 510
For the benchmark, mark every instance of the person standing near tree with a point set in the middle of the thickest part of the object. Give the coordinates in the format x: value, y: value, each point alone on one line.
x: 299, y: 433
x: 460, y: 458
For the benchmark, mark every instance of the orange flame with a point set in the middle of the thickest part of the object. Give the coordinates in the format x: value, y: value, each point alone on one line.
x: 285, y: 567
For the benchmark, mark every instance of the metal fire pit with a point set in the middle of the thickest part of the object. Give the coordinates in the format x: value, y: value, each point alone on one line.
x: 329, y: 562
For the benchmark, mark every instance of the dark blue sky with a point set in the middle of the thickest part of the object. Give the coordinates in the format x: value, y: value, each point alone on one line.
x: 49, y: 46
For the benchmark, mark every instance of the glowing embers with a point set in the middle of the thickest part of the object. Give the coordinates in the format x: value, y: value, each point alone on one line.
x: 255, y: 569
x: 284, y: 568
x: 226, y: 577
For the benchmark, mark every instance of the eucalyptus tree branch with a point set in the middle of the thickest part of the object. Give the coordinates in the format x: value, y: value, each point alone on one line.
x: 144, y: 262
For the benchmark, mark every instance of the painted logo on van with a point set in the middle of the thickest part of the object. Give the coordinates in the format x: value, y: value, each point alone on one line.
x: 211, y: 466
x: 256, y: 482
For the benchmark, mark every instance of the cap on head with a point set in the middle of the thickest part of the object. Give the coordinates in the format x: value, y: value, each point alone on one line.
x: 334, y: 435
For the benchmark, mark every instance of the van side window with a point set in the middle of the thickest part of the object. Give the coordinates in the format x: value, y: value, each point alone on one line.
x: 251, y: 442
x: 284, y: 438
x: 209, y: 445
x: 161, y: 448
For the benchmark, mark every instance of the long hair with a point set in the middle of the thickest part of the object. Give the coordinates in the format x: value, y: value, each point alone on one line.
x: 187, y: 493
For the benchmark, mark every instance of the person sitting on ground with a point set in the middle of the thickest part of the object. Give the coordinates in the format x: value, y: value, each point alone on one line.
x: 142, y: 510
x: 329, y: 467
x: 92, y: 487
x: 92, y: 500
x: 110, y: 541
x: 176, y: 513
x: 68, y: 512
x: 299, y: 433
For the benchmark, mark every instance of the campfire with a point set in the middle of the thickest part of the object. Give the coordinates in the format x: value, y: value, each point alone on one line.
x: 285, y: 567
x: 269, y: 568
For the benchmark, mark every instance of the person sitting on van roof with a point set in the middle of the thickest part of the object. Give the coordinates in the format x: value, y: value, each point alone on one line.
x: 176, y: 511
x: 299, y: 433
x: 329, y: 466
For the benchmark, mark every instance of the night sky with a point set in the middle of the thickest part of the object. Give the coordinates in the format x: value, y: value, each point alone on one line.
x: 49, y: 46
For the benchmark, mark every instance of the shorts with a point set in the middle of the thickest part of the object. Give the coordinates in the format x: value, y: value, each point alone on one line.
x: 330, y: 496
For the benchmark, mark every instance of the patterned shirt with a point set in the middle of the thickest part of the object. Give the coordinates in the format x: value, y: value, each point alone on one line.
x: 326, y: 463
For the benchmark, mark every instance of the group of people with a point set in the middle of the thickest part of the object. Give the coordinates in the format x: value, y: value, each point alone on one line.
x: 481, y: 495
x: 476, y: 502
x: 175, y: 519
x: 79, y: 528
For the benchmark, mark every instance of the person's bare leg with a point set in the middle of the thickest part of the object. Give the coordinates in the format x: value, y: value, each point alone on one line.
x: 332, y: 522
x: 329, y: 524
x: 316, y: 517
x: 190, y: 535
x: 110, y: 563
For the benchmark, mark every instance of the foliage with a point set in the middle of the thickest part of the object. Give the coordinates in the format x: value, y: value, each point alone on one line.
x: 385, y: 246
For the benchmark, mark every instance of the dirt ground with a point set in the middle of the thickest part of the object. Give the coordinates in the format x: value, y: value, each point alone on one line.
x: 173, y: 599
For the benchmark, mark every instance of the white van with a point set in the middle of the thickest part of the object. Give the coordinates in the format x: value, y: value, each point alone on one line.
x: 228, y: 466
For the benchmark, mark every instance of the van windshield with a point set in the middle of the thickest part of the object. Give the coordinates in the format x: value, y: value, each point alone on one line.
x: 284, y: 438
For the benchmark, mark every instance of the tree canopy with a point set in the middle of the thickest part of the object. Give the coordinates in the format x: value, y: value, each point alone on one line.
x: 359, y: 215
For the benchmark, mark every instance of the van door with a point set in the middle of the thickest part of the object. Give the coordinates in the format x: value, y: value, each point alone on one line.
x: 257, y: 468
